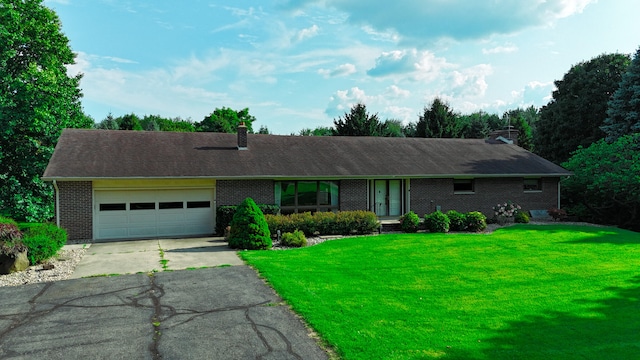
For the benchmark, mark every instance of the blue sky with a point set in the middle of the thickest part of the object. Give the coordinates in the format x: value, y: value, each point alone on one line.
x: 301, y: 63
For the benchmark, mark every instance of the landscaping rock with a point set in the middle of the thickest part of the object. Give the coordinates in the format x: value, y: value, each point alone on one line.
x: 13, y: 262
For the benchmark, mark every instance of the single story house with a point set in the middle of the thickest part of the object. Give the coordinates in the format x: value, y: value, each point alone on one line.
x: 141, y: 184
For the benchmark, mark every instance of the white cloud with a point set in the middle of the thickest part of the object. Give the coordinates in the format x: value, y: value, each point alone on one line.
x: 470, y: 82
x: 343, y: 100
x: 340, y: 70
x: 417, y: 21
x: 307, y: 33
x: 418, y: 65
x: 534, y: 93
x: 501, y: 49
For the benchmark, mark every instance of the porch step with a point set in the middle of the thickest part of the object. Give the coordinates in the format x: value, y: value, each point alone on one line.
x: 390, y: 226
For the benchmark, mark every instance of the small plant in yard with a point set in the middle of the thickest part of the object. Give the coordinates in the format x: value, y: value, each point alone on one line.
x: 437, y: 222
x: 294, y: 239
x: 521, y: 218
x: 557, y: 214
x: 249, y: 229
x: 44, y: 241
x: 458, y: 220
x: 410, y: 222
x: 476, y: 221
x: 505, y: 211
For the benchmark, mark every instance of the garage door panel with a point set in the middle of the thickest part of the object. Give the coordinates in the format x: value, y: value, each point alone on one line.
x: 160, y: 213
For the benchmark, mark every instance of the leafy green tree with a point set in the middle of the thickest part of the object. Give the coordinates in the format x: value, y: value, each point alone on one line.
x: 129, y: 122
x: 249, y: 229
x: 477, y: 125
x: 437, y: 121
x: 226, y: 120
x: 37, y: 100
x: 319, y: 131
x: 579, y: 107
x: 263, y: 130
x: 392, y: 128
x: 358, y: 122
x: 605, y: 187
x: 109, y: 123
x: 521, y: 120
x: 624, y: 108
x: 409, y: 130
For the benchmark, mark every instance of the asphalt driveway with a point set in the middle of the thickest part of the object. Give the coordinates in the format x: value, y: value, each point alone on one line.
x: 211, y: 313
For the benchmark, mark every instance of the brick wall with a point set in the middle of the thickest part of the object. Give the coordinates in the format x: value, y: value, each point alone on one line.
x: 76, y: 212
x: 426, y: 194
x: 353, y: 195
x: 233, y: 192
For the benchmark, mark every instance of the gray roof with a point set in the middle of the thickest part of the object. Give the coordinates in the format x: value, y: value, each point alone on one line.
x: 104, y: 154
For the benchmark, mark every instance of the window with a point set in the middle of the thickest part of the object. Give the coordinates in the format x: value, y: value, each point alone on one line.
x: 170, y: 205
x: 113, y: 207
x: 463, y: 186
x: 533, y: 184
x: 301, y: 196
x: 142, y: 206
x: 198, y: 204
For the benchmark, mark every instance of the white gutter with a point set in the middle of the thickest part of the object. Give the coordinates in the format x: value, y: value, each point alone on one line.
x: 55, y: 186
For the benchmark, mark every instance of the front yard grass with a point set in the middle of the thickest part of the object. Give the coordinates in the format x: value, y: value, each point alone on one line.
x: 522, y: 292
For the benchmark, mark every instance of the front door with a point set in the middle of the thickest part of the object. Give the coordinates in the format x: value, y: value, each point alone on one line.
x: 387, y: 197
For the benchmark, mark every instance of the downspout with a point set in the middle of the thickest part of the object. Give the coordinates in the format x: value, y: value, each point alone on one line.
x: 558, y: 194
x: 55, y: 186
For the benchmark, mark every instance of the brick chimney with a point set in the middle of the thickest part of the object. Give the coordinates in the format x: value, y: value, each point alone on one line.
x: 242, y: 136
x: 508, y: 135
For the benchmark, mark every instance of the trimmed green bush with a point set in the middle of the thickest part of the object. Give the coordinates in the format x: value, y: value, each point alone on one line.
x: 294, y: 239
x: 249, y: 230
x: 458, y: 220
x: 476, y: 221
x: 43, y: 242
x: 410, y: 222
x: 6, y: 220
x: 437, y: 221
x: 521, y: 217
x: 224, y: 214
x: 325, y: 223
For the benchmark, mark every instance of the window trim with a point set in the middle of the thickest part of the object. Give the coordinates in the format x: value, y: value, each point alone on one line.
x: 317, y: 207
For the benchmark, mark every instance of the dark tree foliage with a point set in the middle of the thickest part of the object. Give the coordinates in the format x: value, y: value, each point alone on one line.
x: 264, y: 130
x: 165, y: 124
x: 624, y: 109
x: 477, y: 125
x: 522, y: 120
x: 437, y: 121
x: 605, y: 187
x: 579, y: 107
x: 358, y: 122
x: 109, y: 123
x: 129, y: 122
x: 37, y: 100
x: 226, y: 120
x: 249, y: 229
x: 319, y: 131
x: 392, y: 128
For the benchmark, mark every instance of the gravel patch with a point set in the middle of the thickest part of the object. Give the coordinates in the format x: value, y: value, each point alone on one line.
x: 64, y: 263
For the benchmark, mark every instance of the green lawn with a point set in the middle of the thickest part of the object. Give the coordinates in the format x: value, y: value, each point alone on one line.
x: 523, y: 292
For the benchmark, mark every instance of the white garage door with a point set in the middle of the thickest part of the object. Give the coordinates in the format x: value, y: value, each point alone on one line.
x: 122, y: 214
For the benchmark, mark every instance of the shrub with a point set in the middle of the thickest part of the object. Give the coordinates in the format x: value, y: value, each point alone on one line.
x: 224, y: 214
x: 437, y: 221
x: 476, y: 221
x: 325, y: 223
x: 557, y: 214
x: 10, y: 239
x: 249, y: 229
x: 6, y: 220
x: 410, y: 222
x: 521, y: 218
x: 43, y: 242
x: 294, y: 239
x: 458, y: 220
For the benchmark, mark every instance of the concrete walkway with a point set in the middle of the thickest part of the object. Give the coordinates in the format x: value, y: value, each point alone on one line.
x: 143, y: 256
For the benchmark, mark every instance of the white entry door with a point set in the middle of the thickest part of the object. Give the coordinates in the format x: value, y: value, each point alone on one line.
x: 387, y: 197
x: 123, y: 214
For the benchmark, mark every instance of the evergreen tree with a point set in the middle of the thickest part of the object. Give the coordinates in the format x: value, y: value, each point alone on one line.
x: 624, y: 108
x: 437, y: 121
x: 358, y: 122
x: 249, y: 229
